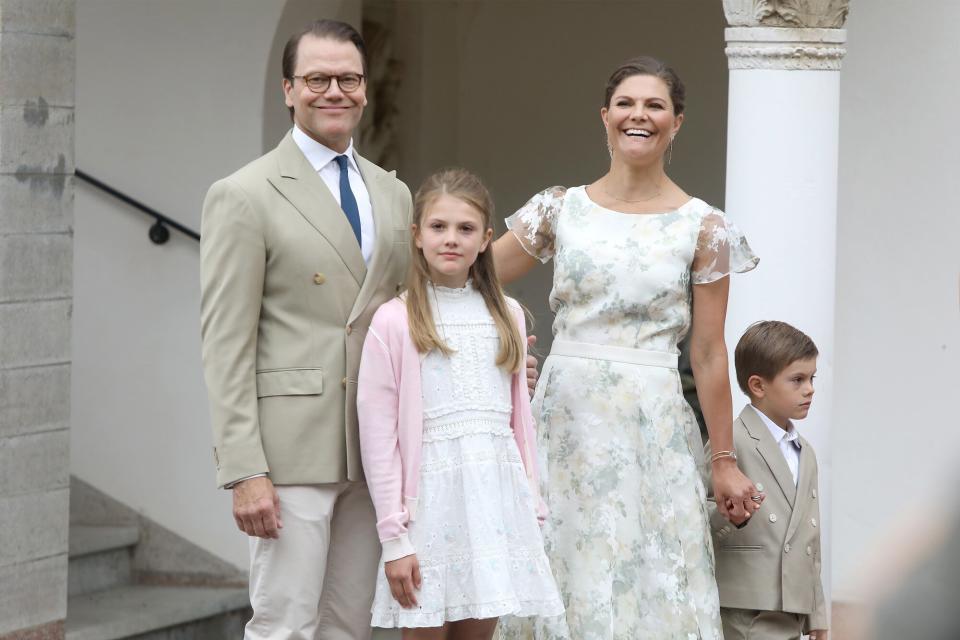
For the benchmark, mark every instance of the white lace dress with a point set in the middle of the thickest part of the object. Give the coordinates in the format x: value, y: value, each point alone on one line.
x: 476, y: 533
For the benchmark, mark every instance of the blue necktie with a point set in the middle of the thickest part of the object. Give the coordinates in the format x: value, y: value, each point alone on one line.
x: 347, y: 200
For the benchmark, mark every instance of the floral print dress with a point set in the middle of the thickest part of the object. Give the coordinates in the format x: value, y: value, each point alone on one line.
x: 627, y: 534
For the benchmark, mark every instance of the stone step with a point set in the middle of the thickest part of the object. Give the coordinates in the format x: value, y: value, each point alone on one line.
x: 87, y: 539
x: 100, y: 557
x: 157, y: 613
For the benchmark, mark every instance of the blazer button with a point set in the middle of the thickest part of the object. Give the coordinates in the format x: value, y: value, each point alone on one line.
x: 814, y: 493
x: 786, y: 548
x: 773, y: 517
x: 344, y: 383
x: 813, y: 521
x: 809, y: 551
x: 349, y: 329
x: 319, y: 278
x: 759, y: 486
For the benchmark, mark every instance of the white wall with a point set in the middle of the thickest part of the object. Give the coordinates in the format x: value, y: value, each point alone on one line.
x: 896, y: 436
x: 170, y: 97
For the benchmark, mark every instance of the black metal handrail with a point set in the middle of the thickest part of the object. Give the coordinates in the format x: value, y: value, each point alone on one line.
x: 159, y: 233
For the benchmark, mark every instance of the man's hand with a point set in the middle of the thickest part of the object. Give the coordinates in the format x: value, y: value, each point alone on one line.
x: 256, y: 508
x: 532, y: 374
x: 819, y: 634
x: 403, y: 574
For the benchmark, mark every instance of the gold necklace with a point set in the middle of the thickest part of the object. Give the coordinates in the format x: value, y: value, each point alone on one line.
x: 656, y: 195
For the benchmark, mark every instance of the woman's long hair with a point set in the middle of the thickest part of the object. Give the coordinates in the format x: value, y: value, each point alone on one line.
x: 465, y: 186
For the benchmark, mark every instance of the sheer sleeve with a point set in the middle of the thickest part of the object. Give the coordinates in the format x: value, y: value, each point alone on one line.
x: 721, y: 250
x: 535, y: 223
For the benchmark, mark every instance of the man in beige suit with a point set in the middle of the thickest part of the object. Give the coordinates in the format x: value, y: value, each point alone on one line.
x: 298, y: 250
x: 768, y: 567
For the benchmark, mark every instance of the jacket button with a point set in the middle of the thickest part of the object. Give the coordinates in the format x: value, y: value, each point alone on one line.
x: 814, y: 493
x: 349, y: 329
x: 319, y: 278
x: 813, y: 521
x: 773, y: 517
x: 759, y: 486
x: 809, y: 551
x: 786, y: 548
x: 344, y: 383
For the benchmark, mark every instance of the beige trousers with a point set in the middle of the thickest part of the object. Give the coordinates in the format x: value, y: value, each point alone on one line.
x: 746, y: 624
x: 316, y: 581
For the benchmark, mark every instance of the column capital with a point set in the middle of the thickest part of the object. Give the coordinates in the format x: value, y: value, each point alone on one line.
x: 797, y: 14
x: 786, y: 34
x: 785, y: 48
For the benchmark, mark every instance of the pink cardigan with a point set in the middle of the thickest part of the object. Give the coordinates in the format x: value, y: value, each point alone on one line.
x: 390, y: 410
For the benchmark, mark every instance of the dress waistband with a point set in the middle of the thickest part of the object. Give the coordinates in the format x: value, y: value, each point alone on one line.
x: 615, y: 354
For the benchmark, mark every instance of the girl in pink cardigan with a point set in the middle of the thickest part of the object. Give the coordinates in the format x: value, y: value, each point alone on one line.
x: 447, y: 435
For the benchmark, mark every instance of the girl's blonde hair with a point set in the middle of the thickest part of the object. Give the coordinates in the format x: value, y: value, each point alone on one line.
x: 465, y: 186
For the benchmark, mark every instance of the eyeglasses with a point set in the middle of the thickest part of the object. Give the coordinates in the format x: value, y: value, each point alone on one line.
x: 318, y: 82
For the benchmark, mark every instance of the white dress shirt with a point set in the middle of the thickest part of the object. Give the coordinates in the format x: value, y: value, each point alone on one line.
x: 788, y: 443
x: 323, y: 161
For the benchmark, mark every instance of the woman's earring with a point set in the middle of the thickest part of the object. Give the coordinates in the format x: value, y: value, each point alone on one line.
x: 670, y: 152
x: 609, y: 147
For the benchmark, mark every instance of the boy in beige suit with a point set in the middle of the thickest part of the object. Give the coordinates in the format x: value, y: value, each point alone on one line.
x: 768, y: 567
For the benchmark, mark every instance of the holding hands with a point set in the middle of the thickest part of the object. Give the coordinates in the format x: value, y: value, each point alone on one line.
x: 737, y: 497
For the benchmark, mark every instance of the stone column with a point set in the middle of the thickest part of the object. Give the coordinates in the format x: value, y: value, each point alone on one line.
x: 782, y: 146
x: 36, y: 207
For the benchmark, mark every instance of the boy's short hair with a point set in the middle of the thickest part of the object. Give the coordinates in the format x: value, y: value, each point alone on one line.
x: 767, y: 348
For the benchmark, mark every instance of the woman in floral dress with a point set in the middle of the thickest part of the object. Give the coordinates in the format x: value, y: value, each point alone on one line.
x: 634, y: 255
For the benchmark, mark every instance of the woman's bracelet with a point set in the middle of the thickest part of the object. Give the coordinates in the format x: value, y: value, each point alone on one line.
x: 723, y: 454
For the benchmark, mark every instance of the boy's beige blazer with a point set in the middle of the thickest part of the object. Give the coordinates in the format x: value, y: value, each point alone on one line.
x: 773, y: 562
x: 286, y: 299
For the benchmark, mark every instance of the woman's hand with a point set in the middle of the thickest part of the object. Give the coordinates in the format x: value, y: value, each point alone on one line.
x: 737, y: 497
x: 532, y: 373
x: 403, y: 574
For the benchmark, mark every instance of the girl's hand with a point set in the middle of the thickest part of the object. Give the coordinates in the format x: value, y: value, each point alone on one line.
x: 403, y: 574
x: 819, y: 634
x: 734, y: 492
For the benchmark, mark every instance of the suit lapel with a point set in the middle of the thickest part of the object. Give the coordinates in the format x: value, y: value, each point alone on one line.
x: 769, y: 450
x: 305, y: 190
x: 805, y: 479
x: 375, y: 180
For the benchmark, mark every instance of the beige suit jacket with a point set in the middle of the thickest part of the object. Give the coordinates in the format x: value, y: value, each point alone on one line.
x: 773, y: 561
x: 286, y: 299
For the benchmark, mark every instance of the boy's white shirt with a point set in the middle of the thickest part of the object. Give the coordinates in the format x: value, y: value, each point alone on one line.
x: 788, y: 441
